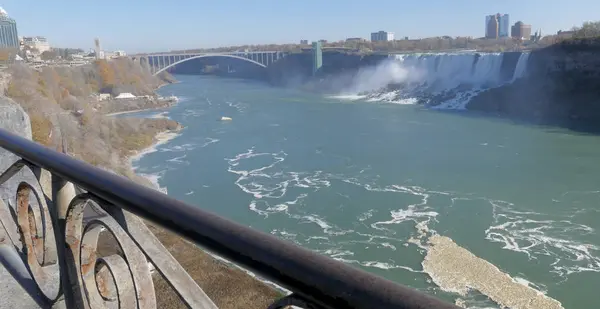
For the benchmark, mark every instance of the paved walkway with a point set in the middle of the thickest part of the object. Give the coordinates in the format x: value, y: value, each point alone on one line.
x: 16, y: 293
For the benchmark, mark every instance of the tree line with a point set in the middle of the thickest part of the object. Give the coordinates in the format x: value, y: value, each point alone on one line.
x: 60, y: 108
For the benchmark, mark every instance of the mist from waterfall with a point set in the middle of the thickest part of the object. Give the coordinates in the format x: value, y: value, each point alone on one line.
x: 444, y: 80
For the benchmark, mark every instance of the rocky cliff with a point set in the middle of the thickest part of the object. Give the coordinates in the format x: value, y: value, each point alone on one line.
x: 561, y: 87
x: 14, y: 119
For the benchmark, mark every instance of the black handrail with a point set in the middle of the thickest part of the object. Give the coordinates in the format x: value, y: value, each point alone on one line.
x: 319, y: 279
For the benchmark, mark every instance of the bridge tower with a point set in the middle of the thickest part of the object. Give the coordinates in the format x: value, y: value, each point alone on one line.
x: 317, y: 55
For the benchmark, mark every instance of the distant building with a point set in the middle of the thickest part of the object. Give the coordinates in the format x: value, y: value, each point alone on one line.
x: 101, y: 96
x: 98, y: 50
x: 323, y: 41
x: 125, y: 96
x: 383, y: 36
x: 565, y: 34
x: 39, y: 43
x: 355, y: 40
x: 503, y: 25
x: 521, y: 31
x: 537, y: 36
x: 303, y: 42
x: 8, y: 31
x: 492, y: 25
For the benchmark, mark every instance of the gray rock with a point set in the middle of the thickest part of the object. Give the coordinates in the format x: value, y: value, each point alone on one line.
x: 14, y: 119
x: 16, y: 287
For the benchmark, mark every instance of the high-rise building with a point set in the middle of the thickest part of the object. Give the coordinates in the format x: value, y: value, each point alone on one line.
x: 303, y: 42
x: 98, y: 50
x: 497, y: 26
x: 503, y: 25
x: 39, y: 43
x: 491, y: 27
x: 521, y: 31
x: 8, y: 31
x: 382, y: 36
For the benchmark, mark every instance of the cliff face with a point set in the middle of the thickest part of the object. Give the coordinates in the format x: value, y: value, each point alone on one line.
x: 14, y: 119
x: 562, y: 87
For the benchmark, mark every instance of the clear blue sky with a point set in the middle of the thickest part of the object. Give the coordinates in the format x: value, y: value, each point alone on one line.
x: 152, y: 25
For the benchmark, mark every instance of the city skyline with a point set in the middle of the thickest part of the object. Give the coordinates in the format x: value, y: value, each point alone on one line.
x: 133, y: 26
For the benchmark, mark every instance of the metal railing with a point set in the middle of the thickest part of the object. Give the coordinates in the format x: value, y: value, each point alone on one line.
x: 49, y: 223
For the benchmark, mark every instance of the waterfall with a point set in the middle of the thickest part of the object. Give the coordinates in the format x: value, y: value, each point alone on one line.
x: 447, y: 80
x: 448, y: 71
x: 521, y: 67
x: 487, y: 69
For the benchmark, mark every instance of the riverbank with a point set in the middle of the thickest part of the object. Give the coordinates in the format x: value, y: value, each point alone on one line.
x: 134, y: 111
x: 117, y: 107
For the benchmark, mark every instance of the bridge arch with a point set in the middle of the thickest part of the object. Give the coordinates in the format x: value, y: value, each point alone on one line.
x: 208, y: 55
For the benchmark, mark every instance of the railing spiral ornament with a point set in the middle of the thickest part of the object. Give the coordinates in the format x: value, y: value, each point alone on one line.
x: 119, y: 279
x: 35, y: 238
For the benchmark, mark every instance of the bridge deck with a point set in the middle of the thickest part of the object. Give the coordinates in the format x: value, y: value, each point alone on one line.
x: 160, y: 62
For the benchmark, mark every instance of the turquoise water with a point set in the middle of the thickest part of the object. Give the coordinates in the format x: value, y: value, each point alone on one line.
x: 351, y: 179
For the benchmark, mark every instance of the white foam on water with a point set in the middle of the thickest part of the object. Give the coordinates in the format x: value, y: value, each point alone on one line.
x: 268, y: 183
x: 345, y: 257
x: 154, y: 179
x: 388, y: 245
x: 530, y: 284
x: 265, y: 182
x: 408, y: 101
x: 193, y: 113
x: 180, y: 148
x: 161, y: 115
x: 328, y: 228
x: 459, y: 102
x: 347, y: 97
x: 181, y: 99
x: 179, y: 160
x: 239, y: 106
x: 209, y: 141
x: 539, y: 235
x: 366, y: 215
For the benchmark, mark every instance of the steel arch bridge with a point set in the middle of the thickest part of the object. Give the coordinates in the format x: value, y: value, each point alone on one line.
x: 158, y: 63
